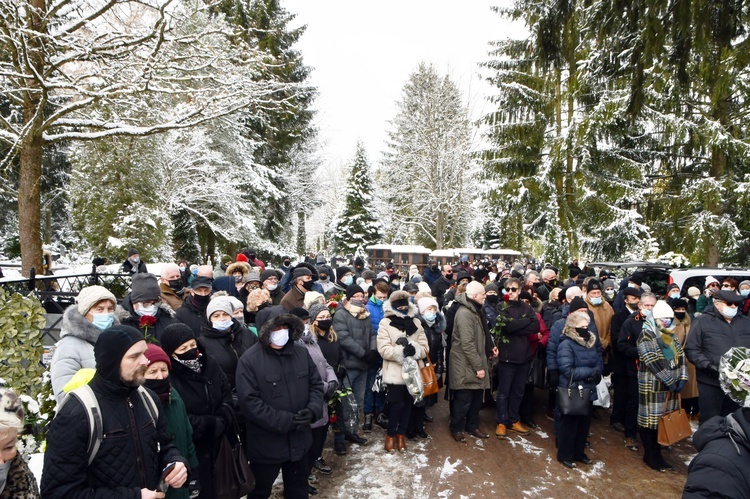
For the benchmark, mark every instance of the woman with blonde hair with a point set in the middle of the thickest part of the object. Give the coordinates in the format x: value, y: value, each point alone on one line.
x: 257, y: 300
x: 16, y: 479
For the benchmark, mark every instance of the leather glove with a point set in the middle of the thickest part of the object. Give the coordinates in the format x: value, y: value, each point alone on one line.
x: 402, y: 341
x: 219, y: 425
x: 332, y: 387
x: 194, y: 489
x: 554, y: 377
x: 409, y: 350
x: 302, y: 419
x: 371, y: 357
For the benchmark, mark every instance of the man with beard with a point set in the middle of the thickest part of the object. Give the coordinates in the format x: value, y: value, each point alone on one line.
x: 133, y: 451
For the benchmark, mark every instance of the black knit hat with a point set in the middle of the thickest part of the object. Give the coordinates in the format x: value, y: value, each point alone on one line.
x: 299, y: 271
x: 352, y: 290
x: 144, y: 287
x: 132, y: 252
x: 111, y: 346
x: 174, y: 336
x: 576, y: 303
x: 268, y: 273
x: 676, y: 303
x: 593, y: 285
x: 300, y: 312
x: 636, y: 278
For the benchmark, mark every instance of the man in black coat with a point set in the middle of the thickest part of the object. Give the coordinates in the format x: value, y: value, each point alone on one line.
x: 442, y: 285
x: 625, y: 388
x: 133, y: 264
x: 193, y: 309
x: 280, y: 393
x: 133, y: 452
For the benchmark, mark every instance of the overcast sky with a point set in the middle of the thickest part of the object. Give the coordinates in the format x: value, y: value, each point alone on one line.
x: 363, y: 53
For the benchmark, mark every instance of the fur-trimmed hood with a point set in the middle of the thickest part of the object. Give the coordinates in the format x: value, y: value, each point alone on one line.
x: 76, y: 325
x: 571, y: 333
x: 125, y: 311
x: 243, y: 267
x: 388, y: 310
x: 296, y: 328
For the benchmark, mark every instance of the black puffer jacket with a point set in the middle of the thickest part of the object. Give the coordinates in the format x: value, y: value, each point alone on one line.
x: 164, y: 317
x: 126, y: 462
x: 203, y: 395
x: 273, y: 385
x: 226, y: 347
x: 720, y: 468
x: 520, y: 321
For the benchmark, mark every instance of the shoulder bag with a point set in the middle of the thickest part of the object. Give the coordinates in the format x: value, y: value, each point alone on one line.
x: 673, y: 426
x: 233, y: 477
x: 574, y: 400
x: 429, y: 378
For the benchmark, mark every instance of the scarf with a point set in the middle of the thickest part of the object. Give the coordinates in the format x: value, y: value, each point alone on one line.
x: 193, y: 364
x: 405, y: 324
x: 358, y: 312
x: 668, y: 349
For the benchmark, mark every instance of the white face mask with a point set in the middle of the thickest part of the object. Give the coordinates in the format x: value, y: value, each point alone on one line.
x: 222, y: 325
x: 150, y: 310
x: 280, y: 338
x: 729, y: 312
x: 271, y: 287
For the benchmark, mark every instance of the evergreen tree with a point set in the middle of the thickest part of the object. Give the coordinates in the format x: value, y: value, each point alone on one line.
x: 357, y: 225
x: 185, y: 237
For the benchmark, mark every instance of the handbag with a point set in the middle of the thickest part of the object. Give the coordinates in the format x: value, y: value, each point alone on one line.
x: 429, y: 378
x: 233, y: 477
x: 674, y: 425
x: 574, y: 400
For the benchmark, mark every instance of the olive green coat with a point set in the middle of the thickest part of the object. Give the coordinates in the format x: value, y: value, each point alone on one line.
x: 467, y: 348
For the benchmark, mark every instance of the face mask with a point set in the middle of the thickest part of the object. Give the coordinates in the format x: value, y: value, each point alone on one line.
x: 631, y: 285
x: 325, y: 324
x: 238, y: 278
x: 596, y: 301
x: 159, y: 386
x: 491, y: 299
x: 358, y: 303
x: 251, y: 256
x: 202, y: 301
x: 583, y: 332
x: 667, y: 323
x: 306, y: 331
x: 150, y: 310
x: 430, y: 317
x: 103, y: 321
x: 175, y: 284
x: 271, y: 287
x: 280, y: 338
x: 195, y: 272
x: 610, y: 292
x: 287, y: 263
x: 323, y: 278
x: 308, y: 285
x: 262, y: 306
x: 674, y: 295
x: 396, y: 284
x: 679, y: 315
x: 377, y: 302
x: 553, y: 283
x: 182, y: 269
x: 191, y: 354
x: 404, y: 311
x: 223, y: 266
x: 647, y: 313
x: 222, y: 325
x: 729, y: 312
x: 240, y: 319
x: 434, y: 268
x: 347, y: 280
x: 745, y: 292
x: 134, y: 260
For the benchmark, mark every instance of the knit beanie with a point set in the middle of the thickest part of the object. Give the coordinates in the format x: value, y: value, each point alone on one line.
x: 111, y: 346
x: 492, y: 286
x: 425, y: 303
x: 241, y: 257
x: 174, y: 336
x: 156, y: 354
x: 312, y: 297
x: 267, y: 274
x: 662, y: 310
x: 593, y: 285
x: 576, y: 303
x: 91, y: 295
x: 144, y: 287
x: 219, y: 303
x: 354, y: 289
x: 709, y: 280
x: 315, y: 310
x: 473, y: 288
x: 744, y: 283
x: 132, y: 251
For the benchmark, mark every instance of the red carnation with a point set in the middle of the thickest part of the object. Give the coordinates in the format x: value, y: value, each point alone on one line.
x: 332, y: 419
x: 147, y: 321
x: 333, y: 304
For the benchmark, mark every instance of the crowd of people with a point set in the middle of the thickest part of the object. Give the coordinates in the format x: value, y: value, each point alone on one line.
x: 262, y: 355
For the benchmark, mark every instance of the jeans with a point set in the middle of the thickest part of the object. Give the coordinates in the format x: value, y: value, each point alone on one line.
x: 465, y: 412
x: 295, y: 479
x: 356, y: 379
x: 511, y: 379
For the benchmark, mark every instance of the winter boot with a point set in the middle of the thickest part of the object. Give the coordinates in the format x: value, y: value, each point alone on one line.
x: 339, y: 448
x: 401, y: 443
x: 390, y: 443
x: 367, y: 427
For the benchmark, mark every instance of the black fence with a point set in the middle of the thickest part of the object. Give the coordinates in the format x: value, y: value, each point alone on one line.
x: 58, y: 292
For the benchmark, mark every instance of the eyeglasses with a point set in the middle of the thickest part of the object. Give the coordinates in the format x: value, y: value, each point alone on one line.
x: 726, y: 286
x: 511, y: 290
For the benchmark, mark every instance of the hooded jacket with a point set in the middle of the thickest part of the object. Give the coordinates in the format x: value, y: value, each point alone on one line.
x: 720, y: 468
x: 226, y: 347
x: 356, y: 337
x: 192, y: 315
x: 467, y: 352
x: 710, y: 337
x: 132, y: 453
x: 74, y: 351
x: 164, y: 317
x: 393, y: 354
x: 273, y: 385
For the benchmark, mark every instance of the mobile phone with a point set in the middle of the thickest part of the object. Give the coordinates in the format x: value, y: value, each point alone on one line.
x: 164, y: 473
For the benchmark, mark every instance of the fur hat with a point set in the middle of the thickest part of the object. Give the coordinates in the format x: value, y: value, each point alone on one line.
x: 312, y: 297
x: 425, y: 303
x: 219, y: 303
x: 662, y: 310
x: 315, y: 310
x: 352, y: 290
x: 693, y: 292
x: 399, y: 299
x: 174, y: 336
x: 675, y: 303
x: 156, y: 354
x: 144, y: 287
x: 525, y: 295
x: 91, y: 295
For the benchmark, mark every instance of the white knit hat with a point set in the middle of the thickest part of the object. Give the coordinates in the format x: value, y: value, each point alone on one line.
x: 219, y: 303
x: 426, y: 302
x: 709, y: 280
x: 473, y: 288
x: 91, y: 295
x: 662, y: 310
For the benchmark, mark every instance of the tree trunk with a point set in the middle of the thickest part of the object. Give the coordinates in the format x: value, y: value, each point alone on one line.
x: 32, y: 147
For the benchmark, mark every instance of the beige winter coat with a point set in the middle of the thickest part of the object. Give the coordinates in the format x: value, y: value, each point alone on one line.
x: 603, y: 318
x: 393, y: 354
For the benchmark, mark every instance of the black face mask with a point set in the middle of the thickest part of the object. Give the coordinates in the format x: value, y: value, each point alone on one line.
x: 262, y: 306
x: 583, y: 333
x: 491, y: 299
x: 191, y: 354
x: 553, y: 283
x: 325, y: 324
x: 223, y: 266
x: 323, y: 278
x: 202, y: 301
x: 287, y: 263
x: 175, y: 284
x: 679, y: 315
x: 308, y: 285
x: 160, y: 386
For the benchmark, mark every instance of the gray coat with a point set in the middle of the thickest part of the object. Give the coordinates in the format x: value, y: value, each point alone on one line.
x: 74, y: 351
x: 356, y: 337
x: 327, y: 374
x: 467, y: 348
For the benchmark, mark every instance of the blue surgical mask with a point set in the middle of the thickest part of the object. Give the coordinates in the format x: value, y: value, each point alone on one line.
x: 745, y: 292
x: 150, y: 310
x: 348, y: 280
x: 430, y: 317
x: 667, y: 322
x: 729, y: 312
x: 596, y: 301
x: 222, y: 325
x: 674, y: 295
x: 103, y: 321
x: 647, y: 313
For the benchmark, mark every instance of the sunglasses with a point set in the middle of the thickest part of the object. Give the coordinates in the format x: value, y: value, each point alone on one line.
x: 511, y: 290
x: 726, y: 286
x: 713, y: 285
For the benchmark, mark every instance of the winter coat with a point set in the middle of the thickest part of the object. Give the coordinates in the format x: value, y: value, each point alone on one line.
x: 682, y: 330
x: 132, y: 453
x: 127, y: 267
x: 656, y: 377
x: 435, y: 338
x: 603, y: 314
x: 703, y: 303
x: 203, y: 394
x: 467, y: 351
x: 393, y: 354
x: 439, y: 289
x: 276, y: 296
x: 551, y: 312
x: 333, y: 353
x: 355, y: 336
x: 720, y: 468
x: 293, y: 299
x: 192, y: 315
x: 520, y: 322
x: 430, y: 276
x: 226, y: 347
x: 273, y: 385
x: 21, y: 483
x: 74, y: 351
x: 169, y: 296
x: 543, y: 291
x: 578, y: 359
x: 617, y: 361
x: 534, y: 340
x: 327, y: 374
x: 165, y: 316
x: 711, y: 336
x: 178, y: 426
x: 376, y: 313
x: 555, y: 335
x: 228, y: 285
x: 490, y: 313
x: 627, y: 343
